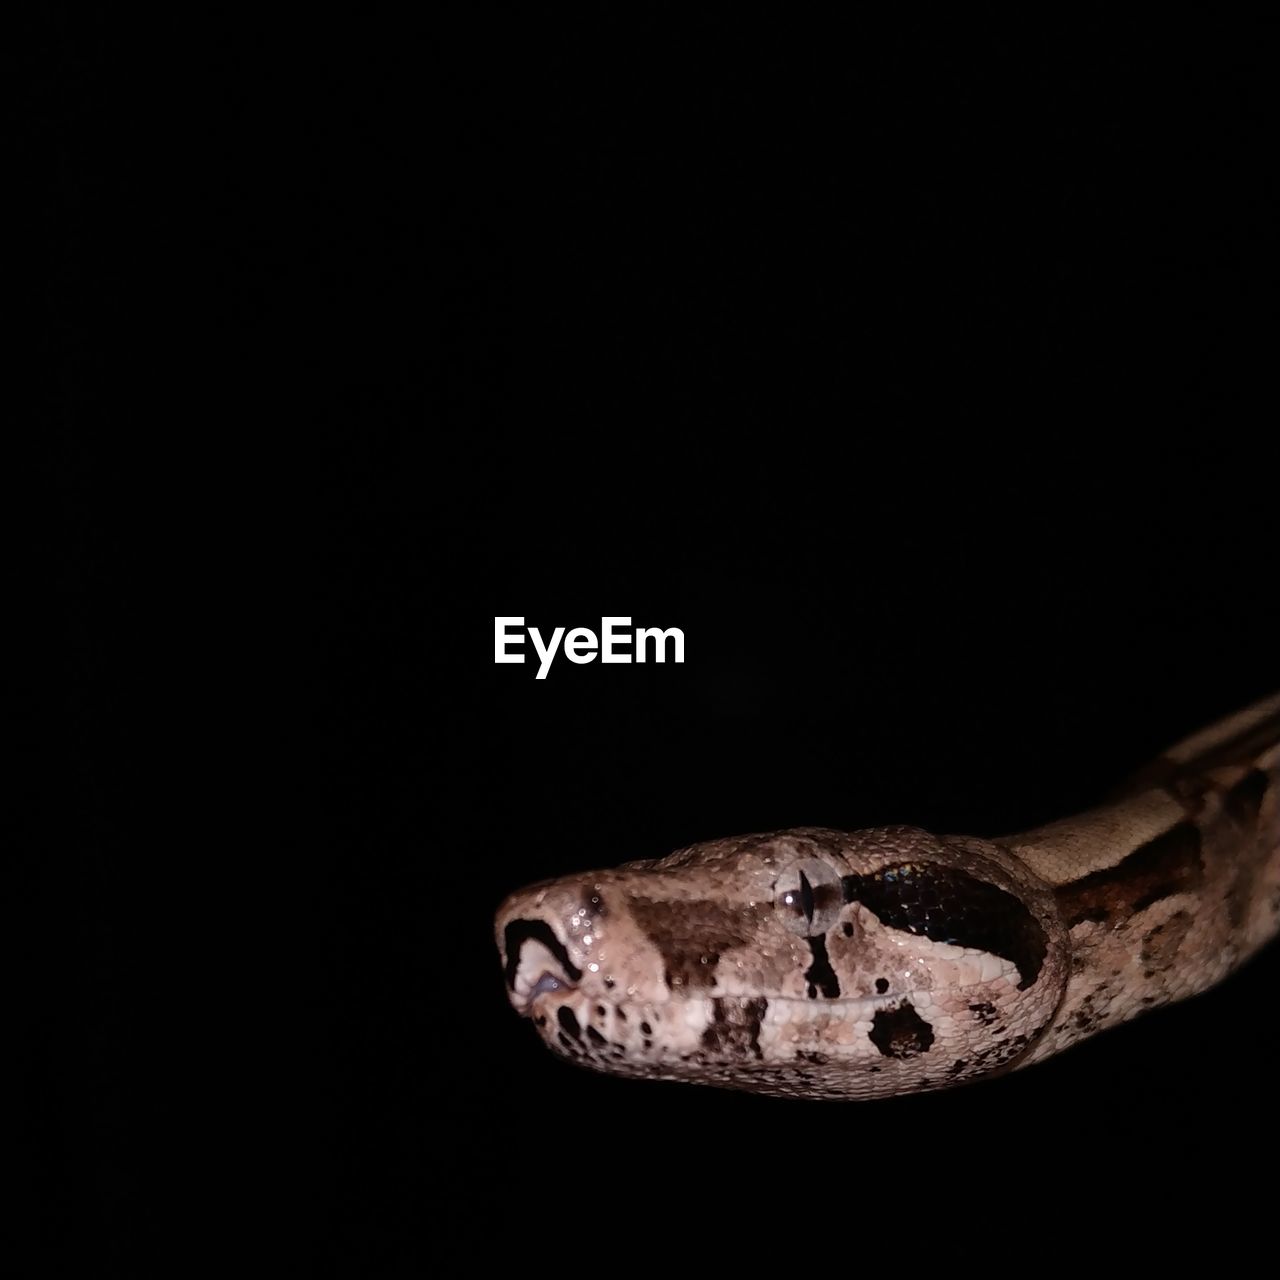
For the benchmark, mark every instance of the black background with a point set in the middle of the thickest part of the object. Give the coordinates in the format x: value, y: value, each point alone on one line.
x: 920, y: 375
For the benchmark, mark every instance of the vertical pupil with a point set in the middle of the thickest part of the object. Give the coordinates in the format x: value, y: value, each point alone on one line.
x: 806, y: 897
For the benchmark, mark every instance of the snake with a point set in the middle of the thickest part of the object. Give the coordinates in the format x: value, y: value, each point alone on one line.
x: 825, y: 964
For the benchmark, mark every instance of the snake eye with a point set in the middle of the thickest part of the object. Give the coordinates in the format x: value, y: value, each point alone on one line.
x: 808, y: 897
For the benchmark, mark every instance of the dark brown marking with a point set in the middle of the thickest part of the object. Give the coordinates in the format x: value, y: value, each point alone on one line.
x: 565, y: 1017
x: 692, y: 936
x: 818, y: 1059
x: 735, y: 1026
x: 593, y: 904
x: 1243, y: 803
x: 882, y: 985
x: 518, y: 932
x: 1095, y: 915
x: 984, y: 1012
x: 1190, y: 793
x: 1094, y: 1009
x: 948, y: 905
x: 1166, y: 865
x: 1182, y: 778
x: 999, y: 1057
x: 1163, y: 889
x: 1241, y: 749
x: 595, y: 1037
x: 847, y: 929
x: 820, y: 975
x: 900, y: 1032
x: 1161, y: 944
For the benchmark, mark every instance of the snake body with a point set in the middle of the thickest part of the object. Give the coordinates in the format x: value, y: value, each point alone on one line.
x: 827, y: 964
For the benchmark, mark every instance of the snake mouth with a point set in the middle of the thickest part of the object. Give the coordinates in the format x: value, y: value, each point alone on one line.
x: 537, y: 962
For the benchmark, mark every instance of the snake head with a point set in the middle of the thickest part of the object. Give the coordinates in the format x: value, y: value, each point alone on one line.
x: 800, y: 962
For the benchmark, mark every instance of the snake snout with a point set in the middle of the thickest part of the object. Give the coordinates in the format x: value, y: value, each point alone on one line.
x: 537, y: 961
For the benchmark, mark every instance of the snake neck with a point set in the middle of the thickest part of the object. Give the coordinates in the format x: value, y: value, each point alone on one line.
x: 1171, y: 887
